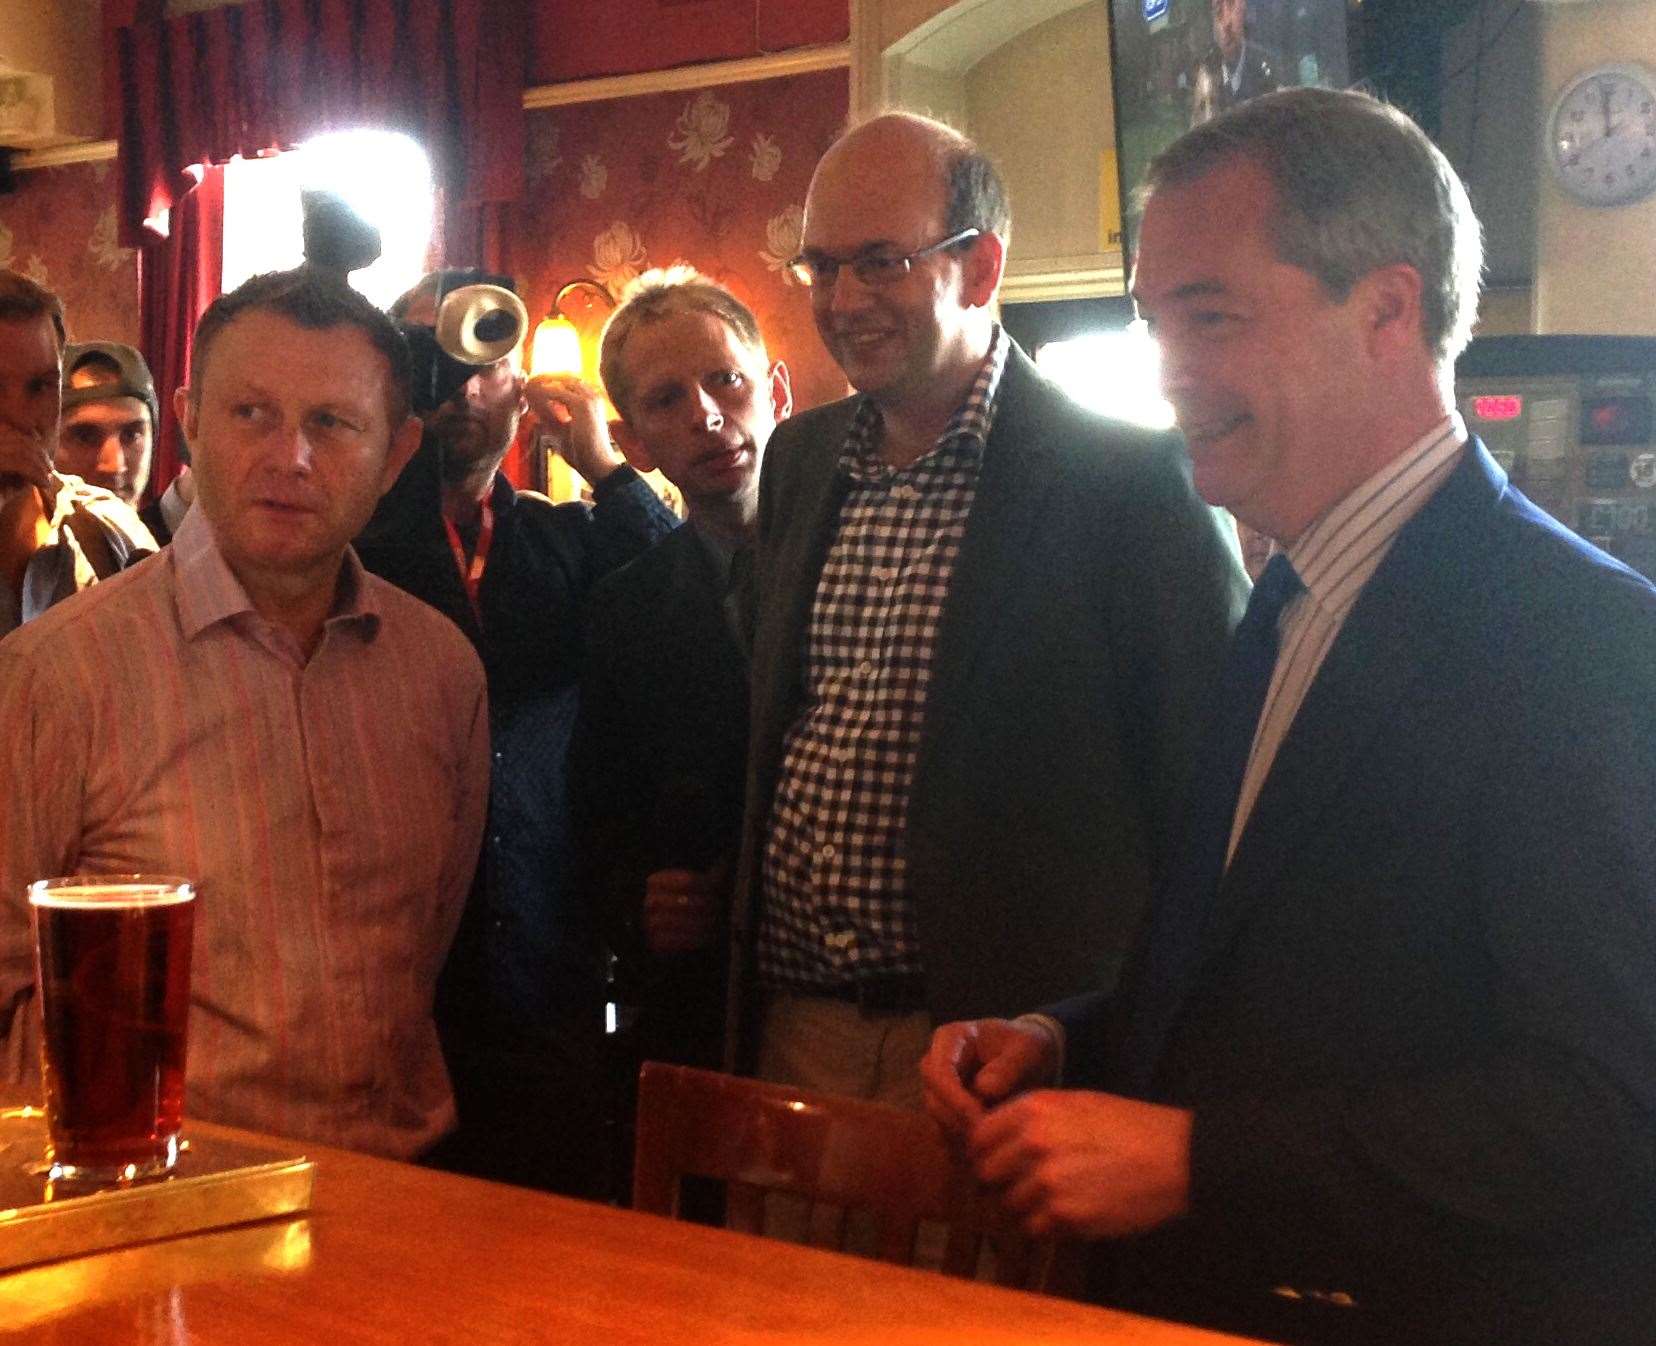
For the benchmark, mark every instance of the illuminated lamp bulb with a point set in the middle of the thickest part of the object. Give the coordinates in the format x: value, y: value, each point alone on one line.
x: 557, y: 347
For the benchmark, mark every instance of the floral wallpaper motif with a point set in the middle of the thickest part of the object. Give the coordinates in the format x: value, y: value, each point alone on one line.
x: 617, y: 257
x: 783, y: 235
x: 700, y: 134
x: 766, y: 157
x: 58, y: 228
x: 594, y: 177
x: 715, y: 178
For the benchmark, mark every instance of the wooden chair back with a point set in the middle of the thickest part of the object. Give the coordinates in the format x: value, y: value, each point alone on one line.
x: 841, y: 1155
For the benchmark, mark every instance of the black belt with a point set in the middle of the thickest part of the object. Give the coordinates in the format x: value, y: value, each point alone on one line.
x: 878, y: 993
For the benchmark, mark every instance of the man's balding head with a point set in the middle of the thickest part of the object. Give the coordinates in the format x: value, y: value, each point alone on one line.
x: 914, y: 146
x: 910, y: 335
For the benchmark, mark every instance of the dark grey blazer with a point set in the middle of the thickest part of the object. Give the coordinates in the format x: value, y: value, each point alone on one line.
x: 1084, y: 626
x: 1422, y: 1049
x: 656, y: 775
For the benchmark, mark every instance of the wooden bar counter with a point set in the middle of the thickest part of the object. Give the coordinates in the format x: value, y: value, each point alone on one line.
x: 393, y: 1255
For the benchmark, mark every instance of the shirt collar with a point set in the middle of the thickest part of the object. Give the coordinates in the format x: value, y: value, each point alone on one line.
x: 1232, y: 74
x: 208, y: 591
x: 1338, y: 553
x: 968, y: 429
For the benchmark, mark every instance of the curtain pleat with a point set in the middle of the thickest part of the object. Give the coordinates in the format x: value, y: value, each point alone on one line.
x: 178, y: 278
x: 270, y: 73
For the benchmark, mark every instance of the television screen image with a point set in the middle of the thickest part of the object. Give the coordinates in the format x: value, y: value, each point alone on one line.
x: 1178, y: 62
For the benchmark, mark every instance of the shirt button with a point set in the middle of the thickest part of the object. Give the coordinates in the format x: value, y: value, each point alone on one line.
x: 827, y: 852
x: 866, y: 668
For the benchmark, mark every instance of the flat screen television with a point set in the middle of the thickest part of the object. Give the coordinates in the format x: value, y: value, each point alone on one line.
x: 1177, y: 62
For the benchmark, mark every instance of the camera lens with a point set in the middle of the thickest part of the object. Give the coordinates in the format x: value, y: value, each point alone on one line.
x: 500, y: 325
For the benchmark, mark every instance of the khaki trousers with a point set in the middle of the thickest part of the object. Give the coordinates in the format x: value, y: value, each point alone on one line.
x: 834, y: 1047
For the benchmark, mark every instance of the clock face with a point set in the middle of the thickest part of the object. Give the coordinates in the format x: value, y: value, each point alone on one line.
x: 1603, y: 134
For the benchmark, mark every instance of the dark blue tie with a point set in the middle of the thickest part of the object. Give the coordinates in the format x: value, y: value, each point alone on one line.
x: 1184, y: 903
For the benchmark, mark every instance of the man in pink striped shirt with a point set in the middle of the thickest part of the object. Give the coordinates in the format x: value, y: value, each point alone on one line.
x: 253, y: 710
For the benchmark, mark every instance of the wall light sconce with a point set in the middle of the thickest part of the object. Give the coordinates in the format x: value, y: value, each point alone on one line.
x: 566, y: 339
x: 566, y: 342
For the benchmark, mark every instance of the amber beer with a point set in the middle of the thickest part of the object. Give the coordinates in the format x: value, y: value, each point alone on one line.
x: 113, y: 970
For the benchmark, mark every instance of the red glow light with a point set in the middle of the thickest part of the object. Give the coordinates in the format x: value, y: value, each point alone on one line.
x: 1498, y: 407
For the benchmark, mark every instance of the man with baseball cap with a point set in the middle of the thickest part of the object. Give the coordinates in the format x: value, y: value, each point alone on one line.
x: 110, y: 422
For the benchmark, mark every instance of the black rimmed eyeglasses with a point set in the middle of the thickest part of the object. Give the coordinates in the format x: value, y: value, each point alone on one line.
x: 873, y: 269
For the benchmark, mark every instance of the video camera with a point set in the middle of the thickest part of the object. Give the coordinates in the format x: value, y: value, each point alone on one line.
x: 479, y: 319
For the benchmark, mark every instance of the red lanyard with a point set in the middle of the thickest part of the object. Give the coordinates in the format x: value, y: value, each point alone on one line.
x: 471, y: 573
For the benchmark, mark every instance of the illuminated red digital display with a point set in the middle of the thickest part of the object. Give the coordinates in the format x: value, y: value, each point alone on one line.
x: 1498, y: 407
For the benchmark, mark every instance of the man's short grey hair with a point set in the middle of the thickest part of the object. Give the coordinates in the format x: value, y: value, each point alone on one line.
x: 659, y: 294
x: 1359, y: 187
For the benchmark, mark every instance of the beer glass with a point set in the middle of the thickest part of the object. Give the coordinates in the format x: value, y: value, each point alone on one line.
x: 112, y: 966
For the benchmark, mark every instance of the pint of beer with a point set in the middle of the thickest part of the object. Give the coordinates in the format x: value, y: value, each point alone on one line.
x: 112, y: 965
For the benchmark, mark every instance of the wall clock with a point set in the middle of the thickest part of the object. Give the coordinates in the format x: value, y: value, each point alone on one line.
x: 1601, y: 134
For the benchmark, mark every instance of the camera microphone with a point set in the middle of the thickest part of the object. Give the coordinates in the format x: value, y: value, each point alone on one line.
x: 479, y: 324
x: 478, y: 319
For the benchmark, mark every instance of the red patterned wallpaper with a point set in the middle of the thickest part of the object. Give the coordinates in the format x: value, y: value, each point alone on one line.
x: 713, y: 177
x: 58, y: 228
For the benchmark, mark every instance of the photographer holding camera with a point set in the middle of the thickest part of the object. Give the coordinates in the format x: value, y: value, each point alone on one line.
x: 521, y: 1003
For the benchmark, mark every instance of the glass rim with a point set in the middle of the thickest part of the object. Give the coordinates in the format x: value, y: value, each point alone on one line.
x: 111, y: 890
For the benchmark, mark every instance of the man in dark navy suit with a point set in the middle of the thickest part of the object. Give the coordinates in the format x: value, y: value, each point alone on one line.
x: 661, y: 745
x: 1383, y: 1067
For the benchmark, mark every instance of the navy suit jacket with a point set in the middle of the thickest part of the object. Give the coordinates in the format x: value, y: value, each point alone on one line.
x: 1421, y: 1049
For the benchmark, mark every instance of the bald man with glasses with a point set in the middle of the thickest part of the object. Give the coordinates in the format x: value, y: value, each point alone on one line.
x: 988, y: 621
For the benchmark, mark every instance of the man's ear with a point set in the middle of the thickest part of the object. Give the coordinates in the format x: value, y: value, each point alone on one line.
x: 403, y: 443
x: 631, y: 446
x: 1392, y: 307
x: 985, y: 258
x: 781, y: 391
x: 522, y: 383
x: 185, y: 412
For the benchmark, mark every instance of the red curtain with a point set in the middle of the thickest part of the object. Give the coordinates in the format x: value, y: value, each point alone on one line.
x: 269, y: 73
x: 178, y: 277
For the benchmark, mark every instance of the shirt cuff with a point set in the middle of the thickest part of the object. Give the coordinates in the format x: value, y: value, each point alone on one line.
x: 617, y: 480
